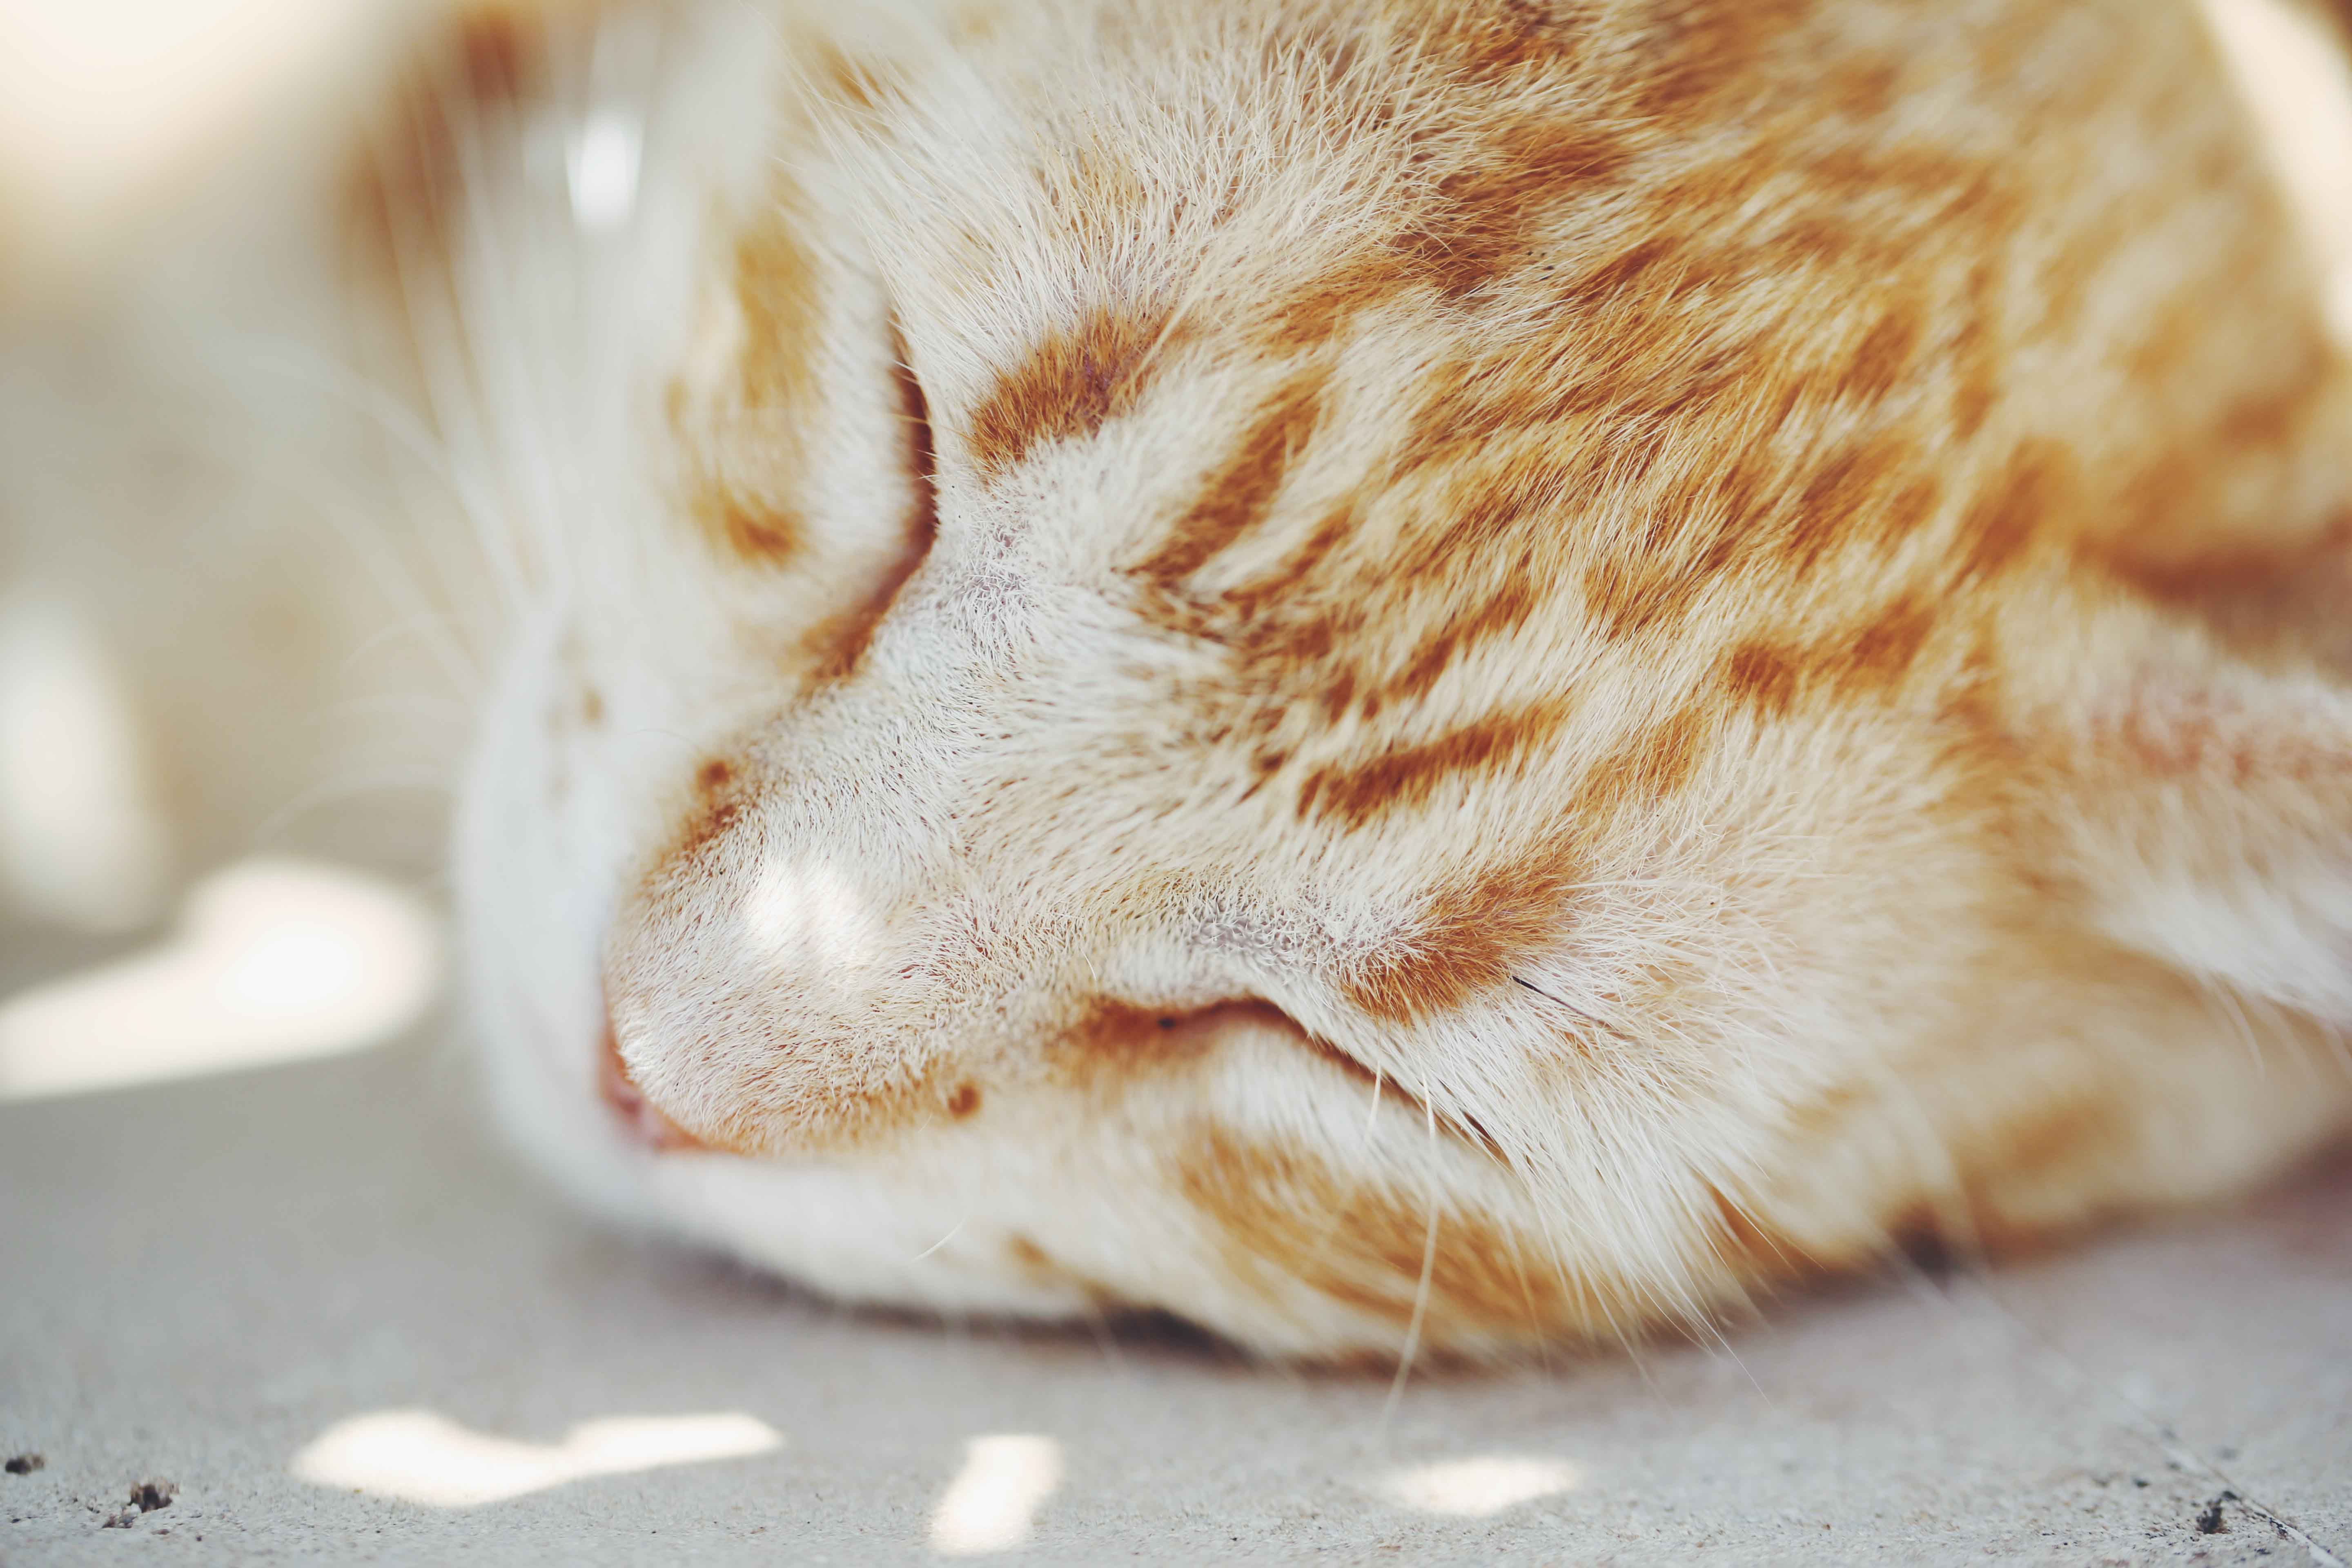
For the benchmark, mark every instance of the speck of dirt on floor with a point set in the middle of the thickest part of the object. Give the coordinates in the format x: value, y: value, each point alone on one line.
x: 2209, y: 1522
x: 22, y: 1464
x: 146, y: 1497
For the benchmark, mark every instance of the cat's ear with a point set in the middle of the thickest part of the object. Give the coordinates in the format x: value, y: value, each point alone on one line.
x: 2197, y: 780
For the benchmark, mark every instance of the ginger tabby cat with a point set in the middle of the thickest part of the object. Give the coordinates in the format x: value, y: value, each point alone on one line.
x: 1392, y: 674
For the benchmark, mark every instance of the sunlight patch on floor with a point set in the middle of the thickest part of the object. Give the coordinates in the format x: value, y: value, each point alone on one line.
x: 991, y: 1505
x: 419, y: 1455
x: 274, y: 961
x: 1479, y: 1488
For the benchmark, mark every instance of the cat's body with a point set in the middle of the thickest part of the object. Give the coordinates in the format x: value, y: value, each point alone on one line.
x: 1385, y: 674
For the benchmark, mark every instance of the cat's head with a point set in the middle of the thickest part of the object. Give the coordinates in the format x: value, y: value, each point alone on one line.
x: 1483, y: 670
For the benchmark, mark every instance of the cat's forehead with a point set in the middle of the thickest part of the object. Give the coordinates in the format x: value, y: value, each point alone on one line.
x: 1438, y: 322
x: 1169, y: 273
x: 1057, y: 203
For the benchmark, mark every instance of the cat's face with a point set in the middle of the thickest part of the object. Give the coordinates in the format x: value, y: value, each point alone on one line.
x: 1475, y: 673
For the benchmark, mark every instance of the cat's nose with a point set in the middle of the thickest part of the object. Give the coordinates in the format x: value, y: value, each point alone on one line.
x: 638, y: 1118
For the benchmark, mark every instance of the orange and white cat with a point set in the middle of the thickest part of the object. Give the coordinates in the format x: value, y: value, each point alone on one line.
x: 1395, y: 672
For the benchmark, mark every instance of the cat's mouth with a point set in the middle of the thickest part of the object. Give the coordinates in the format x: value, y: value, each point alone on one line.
x: 640, y: 1121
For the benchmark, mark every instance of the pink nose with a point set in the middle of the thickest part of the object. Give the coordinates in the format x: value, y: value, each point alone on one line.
x: 639, y: 1120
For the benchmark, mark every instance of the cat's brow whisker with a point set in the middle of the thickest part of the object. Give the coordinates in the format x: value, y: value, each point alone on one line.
x: 315, y: 371
x: 370, y: 400
x: 334, y: 791
x: 447, y: 715
x: 330, y: 503
x: 435, y: 630
x: 495, y: 388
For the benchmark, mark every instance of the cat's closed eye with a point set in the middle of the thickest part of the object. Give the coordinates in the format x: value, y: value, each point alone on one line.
x: 919, y: 528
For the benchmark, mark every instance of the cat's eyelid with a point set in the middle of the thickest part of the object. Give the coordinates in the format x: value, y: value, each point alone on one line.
x: 845, y: 639
x: 922, y: 450
x: 1383, y: 1085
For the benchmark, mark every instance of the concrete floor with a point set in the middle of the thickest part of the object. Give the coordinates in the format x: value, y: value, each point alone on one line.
x: 202, y: 1278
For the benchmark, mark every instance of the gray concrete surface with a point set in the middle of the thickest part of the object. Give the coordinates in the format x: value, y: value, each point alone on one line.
x: 198, y: 1279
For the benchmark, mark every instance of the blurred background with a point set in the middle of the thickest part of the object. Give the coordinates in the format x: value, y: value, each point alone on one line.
x: 239, y: 624
x: 235, y: 660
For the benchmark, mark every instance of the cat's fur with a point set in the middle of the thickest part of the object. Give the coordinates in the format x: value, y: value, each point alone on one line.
x: 1453, y: 673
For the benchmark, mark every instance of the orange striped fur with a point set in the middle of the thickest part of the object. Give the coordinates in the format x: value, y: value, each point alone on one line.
x: 1428, y: 672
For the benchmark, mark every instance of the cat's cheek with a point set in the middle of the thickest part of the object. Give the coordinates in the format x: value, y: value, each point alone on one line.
x: 1058, y: 1200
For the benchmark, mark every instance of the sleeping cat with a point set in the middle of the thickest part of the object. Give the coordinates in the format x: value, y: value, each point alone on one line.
x: 1390, y: 673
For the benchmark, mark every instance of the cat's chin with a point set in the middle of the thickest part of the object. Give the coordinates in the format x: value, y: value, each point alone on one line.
x: 839, y: 1232
x: 845, y: 1232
